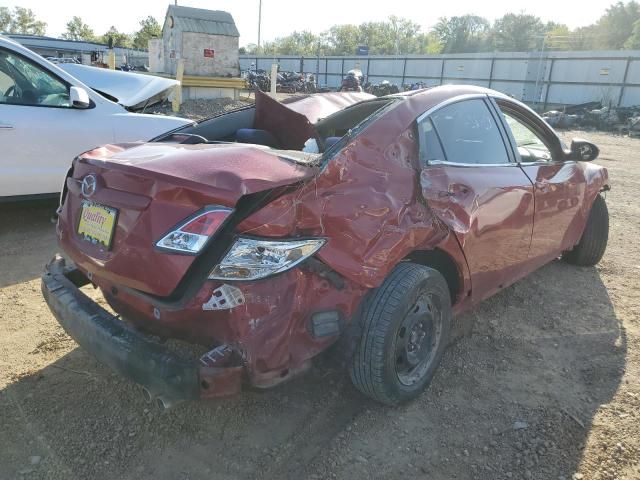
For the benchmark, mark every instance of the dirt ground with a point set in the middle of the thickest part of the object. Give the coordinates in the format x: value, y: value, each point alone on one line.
x: 546, y: 385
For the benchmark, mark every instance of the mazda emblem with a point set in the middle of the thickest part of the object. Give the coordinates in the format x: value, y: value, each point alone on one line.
x: 89, y: 185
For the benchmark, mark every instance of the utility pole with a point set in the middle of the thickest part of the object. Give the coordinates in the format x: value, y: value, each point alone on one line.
x: 259, y: 22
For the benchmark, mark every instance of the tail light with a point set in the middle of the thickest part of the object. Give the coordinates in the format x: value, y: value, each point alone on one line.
x: 194, y: 233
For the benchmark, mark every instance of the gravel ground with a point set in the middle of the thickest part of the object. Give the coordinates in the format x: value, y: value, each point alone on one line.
x: 545, y: 385
x: 198, y: 109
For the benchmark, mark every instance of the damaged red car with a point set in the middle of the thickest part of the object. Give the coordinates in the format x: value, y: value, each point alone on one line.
x: 263, y: 235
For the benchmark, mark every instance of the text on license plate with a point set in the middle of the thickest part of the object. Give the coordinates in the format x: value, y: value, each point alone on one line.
x: 97, y: 223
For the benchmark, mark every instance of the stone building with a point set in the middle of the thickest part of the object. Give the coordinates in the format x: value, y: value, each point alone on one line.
x: 207, y: 40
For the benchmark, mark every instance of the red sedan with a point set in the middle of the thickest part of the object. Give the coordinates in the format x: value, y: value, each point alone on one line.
x: 263, y: 235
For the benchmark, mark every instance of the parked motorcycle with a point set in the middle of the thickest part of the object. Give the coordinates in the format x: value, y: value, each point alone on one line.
x: 381, y: 89
x: 352, y: 82
x: 257, y: 79
x: 290, y: 82
x: 415, y: 86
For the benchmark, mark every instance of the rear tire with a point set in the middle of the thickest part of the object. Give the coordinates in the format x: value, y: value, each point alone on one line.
x: 404, y: 327
x: 593, y: 242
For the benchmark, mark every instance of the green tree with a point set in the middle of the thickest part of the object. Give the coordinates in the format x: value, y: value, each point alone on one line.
x: 633, y: 42
x: 297, y: 43
x: 342, y: 39
x: 430, y: 44
x: 78, y: 30
x: 519, y: 32
x: 21, y: 20
x: 5, y: 19
x: 466, y: 33
x: 584, y: 38
x: 615, y: 27
x: 149, y: 28
x: 395, y: 36
x: 120, y: 39
x: 558, y: 37
x: 249, y: 49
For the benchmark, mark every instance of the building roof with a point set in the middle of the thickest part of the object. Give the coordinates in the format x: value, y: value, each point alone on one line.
x: 199, y: 20
x: 43, y: 42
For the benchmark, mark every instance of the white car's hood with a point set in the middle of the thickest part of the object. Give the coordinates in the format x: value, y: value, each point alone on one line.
x: 133, y: 91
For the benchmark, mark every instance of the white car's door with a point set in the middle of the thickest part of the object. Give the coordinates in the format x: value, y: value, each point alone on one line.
x: 40, y: 131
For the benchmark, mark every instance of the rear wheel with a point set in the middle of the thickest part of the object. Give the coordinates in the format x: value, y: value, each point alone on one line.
x: 593, y: 242
x: 404, y: 330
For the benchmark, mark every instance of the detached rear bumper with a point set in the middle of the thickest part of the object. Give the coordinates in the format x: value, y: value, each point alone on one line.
x: 165, y: 375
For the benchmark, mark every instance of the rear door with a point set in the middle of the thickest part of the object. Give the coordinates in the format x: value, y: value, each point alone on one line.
x: 471, y: 182
x: 559, y: 184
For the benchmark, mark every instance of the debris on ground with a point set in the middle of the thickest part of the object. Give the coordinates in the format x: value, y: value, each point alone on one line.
x: 593, y: 115
x: 198, y: 109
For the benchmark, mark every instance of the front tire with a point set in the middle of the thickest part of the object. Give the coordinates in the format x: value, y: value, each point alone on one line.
x: 404, y: 328
x: 593, y: 242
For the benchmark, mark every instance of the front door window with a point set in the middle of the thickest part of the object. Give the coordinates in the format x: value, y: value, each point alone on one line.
x: 23, y: 82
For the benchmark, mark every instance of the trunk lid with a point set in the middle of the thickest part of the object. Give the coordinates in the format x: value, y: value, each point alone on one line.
x: 153, y: 188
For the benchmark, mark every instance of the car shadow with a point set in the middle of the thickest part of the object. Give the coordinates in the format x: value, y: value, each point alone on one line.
x: 514, y: 399
x: 25, y: 250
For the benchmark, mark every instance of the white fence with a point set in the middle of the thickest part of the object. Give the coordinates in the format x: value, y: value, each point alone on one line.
x: 540, y: 78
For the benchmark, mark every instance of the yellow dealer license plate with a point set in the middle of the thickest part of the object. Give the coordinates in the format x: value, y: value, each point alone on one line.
x: 97, y: 223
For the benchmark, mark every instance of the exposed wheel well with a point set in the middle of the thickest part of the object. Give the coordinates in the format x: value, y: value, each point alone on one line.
x: 441, y: 261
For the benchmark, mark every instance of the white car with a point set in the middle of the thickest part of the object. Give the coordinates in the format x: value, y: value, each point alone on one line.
x: 48, y: 116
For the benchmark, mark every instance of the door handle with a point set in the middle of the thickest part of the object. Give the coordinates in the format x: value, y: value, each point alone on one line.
x: 5, y: 126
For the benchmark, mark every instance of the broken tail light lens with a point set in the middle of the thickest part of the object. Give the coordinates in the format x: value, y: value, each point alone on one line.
x: 192, y: 235
x: 253, y: 259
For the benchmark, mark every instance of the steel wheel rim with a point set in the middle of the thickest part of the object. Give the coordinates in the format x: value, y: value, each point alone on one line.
x: 417, y: 340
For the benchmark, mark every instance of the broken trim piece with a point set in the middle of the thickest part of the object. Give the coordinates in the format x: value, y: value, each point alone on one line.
x: 224, y: 297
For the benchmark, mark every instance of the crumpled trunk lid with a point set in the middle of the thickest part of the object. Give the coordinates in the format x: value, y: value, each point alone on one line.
x: 153, y: 188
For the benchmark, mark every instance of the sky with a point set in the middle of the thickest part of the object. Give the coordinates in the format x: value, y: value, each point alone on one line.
x: 281, y: 17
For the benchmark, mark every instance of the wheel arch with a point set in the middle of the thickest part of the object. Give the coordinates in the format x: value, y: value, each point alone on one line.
x: 443, y: 262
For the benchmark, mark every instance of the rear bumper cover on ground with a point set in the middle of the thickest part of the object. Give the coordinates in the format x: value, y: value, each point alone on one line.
x: 165, y: 375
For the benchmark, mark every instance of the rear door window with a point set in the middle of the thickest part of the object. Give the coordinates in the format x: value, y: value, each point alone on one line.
x: 430, y: 147
x: 469, y: 133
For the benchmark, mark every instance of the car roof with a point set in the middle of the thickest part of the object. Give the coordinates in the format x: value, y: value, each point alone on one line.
x: 4, y: 38
x: 411, y: 105
x: 444, y: 92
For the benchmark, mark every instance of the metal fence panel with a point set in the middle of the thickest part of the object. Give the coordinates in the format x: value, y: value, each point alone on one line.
x: 568, y: 94
x: 633, y: 75
x: 467, y: 69
x: 513, y: 89
x: 589, y: 70
x: 289, y: 64
x: 389, y: 68
x: 545, y: 78
x: 631, y: 96
x: 511, y: 69
x: 420, y: 68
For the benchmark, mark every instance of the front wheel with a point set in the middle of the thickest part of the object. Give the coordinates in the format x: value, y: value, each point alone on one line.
x: 593, y: 242
x: 404, y: 331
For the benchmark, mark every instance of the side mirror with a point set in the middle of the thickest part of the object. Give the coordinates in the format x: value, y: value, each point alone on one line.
x: 583, y: 151
x: 79, y: 97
